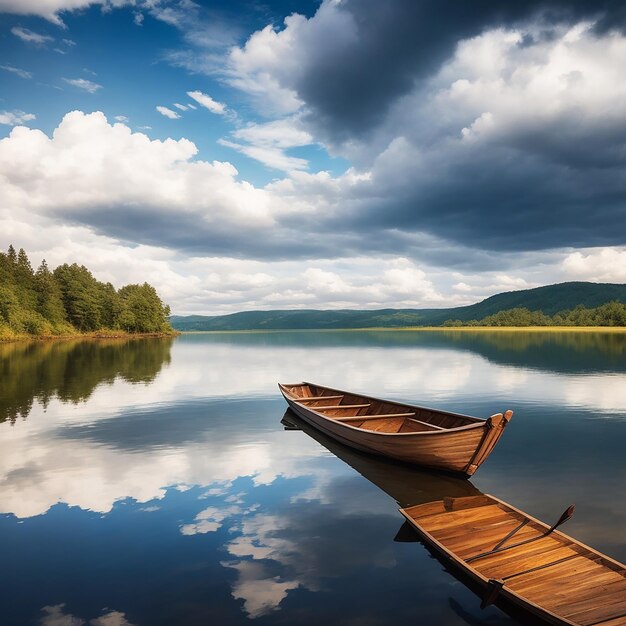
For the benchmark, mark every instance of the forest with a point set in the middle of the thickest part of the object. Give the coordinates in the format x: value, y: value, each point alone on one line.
x: 69, y: 300
x: 609, y: 314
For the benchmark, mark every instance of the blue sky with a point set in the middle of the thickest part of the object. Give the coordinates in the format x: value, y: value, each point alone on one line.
x: 344, y: 153
x: 126, y: 64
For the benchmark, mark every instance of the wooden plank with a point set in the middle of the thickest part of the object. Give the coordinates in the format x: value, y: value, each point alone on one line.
x: 334, y: 407
x: 468, y: 502
x: 320, y: 398
x: 580, y: 568
x: 434, y: 426
x: 582, y: 593
x: 548, y: 574
x: 530, y: 583
x: 356, y: 418
x: 467, y: 549
x: 422, y: 510
x: 449, y: 519
x: 618, y: 621
x: 523, y: 559
x: 600, y: 608
x: 531, y: 563
x: 384, y: 425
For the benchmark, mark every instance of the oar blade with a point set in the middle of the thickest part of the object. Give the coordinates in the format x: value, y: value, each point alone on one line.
x: 567, y: 514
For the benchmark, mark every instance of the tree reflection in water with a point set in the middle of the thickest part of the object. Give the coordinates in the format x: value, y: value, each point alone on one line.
x: 70, y: 370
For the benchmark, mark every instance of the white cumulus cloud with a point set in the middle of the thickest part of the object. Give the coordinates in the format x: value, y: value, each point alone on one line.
x: 89, y: 165
x: 599, y: 265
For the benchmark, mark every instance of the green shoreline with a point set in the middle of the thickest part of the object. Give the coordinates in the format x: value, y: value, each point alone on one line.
x: 96, y: 334
x: 442, y: 329
x: 445, y: 329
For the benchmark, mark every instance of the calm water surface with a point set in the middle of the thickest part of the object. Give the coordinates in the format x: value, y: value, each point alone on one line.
x: 152, y: 482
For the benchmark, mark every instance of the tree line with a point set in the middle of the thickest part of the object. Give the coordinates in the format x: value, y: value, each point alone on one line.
x: 69, y: 300
x: 609, y: 314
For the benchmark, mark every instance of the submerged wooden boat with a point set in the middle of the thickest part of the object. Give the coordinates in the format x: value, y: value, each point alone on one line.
x: 522, y: 565
x: 414, y: 434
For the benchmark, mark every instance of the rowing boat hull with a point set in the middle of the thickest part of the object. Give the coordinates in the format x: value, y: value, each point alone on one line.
x: 542, y: 577
x: 406, y: 484
x: 459, y: 450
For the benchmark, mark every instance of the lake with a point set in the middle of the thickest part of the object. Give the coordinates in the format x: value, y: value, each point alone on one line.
x: 152, y: 482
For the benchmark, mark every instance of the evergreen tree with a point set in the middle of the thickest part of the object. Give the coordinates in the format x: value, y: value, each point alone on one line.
x: 111, y: 305
x: 12, y: 256
x: 70, y: 299
x: 49, y: 296
x: 80, y: 296
x: 142, y: 310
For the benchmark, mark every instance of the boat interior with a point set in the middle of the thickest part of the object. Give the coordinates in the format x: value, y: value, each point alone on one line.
x: 373, y: 414
x: 547, y: 568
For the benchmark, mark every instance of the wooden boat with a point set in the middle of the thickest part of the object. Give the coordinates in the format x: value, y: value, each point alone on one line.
x: 406, y: 484
x: 521, y: 564
x: 414, y: 434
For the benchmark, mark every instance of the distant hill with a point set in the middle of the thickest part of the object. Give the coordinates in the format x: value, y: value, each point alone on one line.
x: 550, y: 299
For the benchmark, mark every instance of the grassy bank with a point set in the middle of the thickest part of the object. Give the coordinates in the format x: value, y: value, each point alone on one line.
x: 7, y: 336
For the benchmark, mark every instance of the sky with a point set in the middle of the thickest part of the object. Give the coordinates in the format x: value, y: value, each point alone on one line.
x: 244, y: 155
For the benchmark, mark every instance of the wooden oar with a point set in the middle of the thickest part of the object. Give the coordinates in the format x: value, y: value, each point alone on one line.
x: 494, y: 586
x: 567, y: 514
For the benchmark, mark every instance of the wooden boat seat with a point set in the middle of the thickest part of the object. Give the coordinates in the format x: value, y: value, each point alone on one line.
x: 410, y: 420
x: 334, y: 407
x: 363, y: 418
x: 318, y: 398
x: 433, y: 426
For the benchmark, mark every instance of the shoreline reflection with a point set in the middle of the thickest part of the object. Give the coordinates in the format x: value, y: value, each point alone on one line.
x: 70, y: 370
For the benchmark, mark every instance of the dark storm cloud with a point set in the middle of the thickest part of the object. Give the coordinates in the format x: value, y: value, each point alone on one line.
x: 155, y: 226
x: 296, y: 239
x: 505, y: 200
x: 349, y: 84
x: 442, y: 175
x: 548, y: 173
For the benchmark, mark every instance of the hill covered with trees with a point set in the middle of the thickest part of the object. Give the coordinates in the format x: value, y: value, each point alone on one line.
x: 609, y: 314
x: 70, y: 301
x: 549, y: 300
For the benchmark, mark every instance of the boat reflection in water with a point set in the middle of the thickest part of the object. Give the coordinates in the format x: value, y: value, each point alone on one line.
x: 522, y: 586
x: 408, y: 486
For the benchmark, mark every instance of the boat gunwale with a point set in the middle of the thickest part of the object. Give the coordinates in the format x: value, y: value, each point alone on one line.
x: 507, y: 592
x: 479, y: 422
